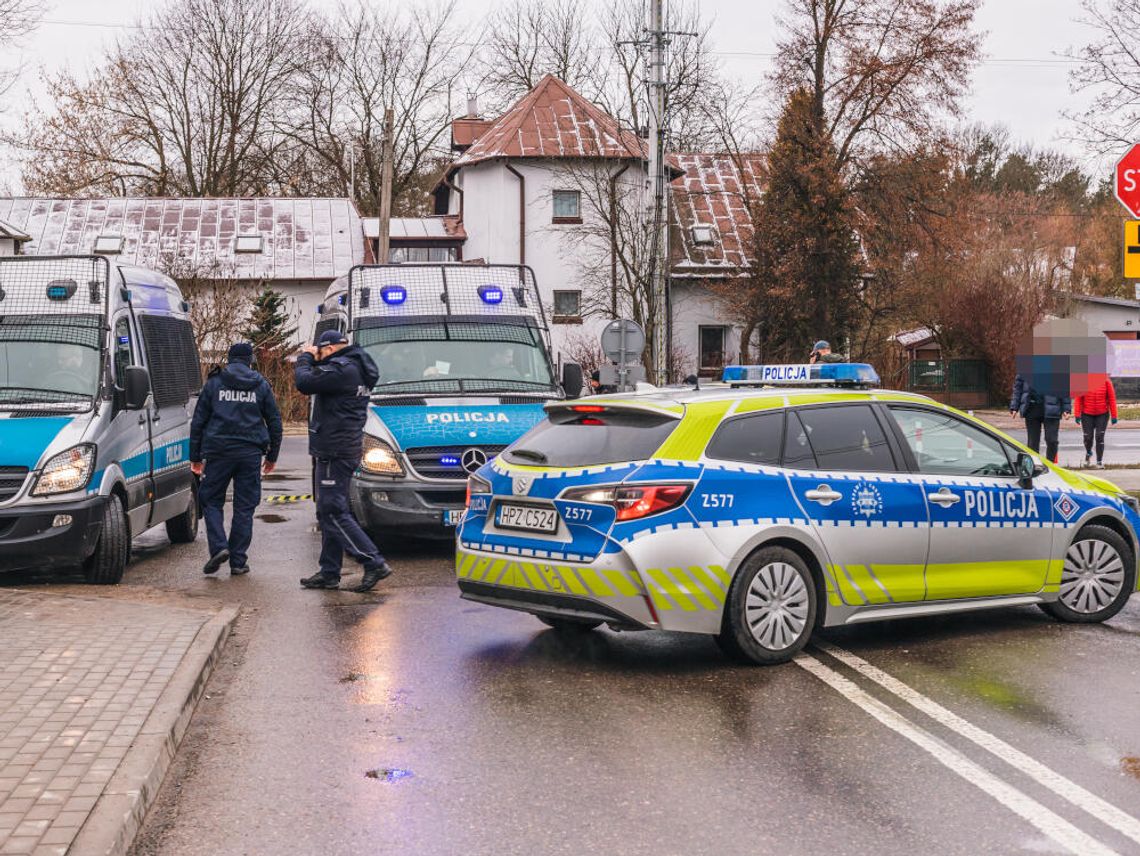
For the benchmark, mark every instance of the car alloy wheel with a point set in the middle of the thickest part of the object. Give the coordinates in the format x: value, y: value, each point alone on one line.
x: 776, y: 607
x: 1092, y: 577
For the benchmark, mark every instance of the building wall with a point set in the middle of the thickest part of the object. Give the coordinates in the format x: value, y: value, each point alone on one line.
x: 694, y: 307
x: 7, y: 247
x: 555, y: 252
x: 1107, y: 318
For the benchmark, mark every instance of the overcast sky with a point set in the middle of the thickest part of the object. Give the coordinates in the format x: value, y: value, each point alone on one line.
x: 1022, y: 83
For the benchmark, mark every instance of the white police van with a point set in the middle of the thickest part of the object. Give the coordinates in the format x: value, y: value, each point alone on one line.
x: 465, y: 369
x: 98, y: 377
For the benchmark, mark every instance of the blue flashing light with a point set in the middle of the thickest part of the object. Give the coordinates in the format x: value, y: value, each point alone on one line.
x: 449, y: 460
x: 61, y: 290
x: 124, y: 340
x: 394, y: 295
x: 838, y: 374
x: 491, y: 294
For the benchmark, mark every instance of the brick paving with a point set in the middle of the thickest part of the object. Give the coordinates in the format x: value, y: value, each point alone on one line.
x: 78, y: 678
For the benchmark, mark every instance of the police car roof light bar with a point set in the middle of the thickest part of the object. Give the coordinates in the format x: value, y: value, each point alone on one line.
x: 823, y: 374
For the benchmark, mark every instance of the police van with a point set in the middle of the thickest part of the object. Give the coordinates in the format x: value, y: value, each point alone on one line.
x: 98, y: 374
x: 465, y: 369
x: 785, y: 499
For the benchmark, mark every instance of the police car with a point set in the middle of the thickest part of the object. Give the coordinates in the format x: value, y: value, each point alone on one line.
x: 785, y: 499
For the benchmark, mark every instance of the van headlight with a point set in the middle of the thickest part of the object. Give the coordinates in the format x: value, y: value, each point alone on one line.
x: 68, y: 471
x: 380, y: 458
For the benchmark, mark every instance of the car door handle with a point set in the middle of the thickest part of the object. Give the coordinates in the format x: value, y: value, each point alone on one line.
x: 944, y: 497
x: 824, y: 495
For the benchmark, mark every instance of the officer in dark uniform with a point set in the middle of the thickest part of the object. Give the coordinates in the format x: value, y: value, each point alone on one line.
x: 340, y: 377
x: 235, y: 425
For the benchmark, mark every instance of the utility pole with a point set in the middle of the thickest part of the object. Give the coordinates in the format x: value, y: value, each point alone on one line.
x: 659, y: 240
x: 386, y: 187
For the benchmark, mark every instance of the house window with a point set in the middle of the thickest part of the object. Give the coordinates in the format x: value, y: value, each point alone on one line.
x: 567, y: 206
x: 109, y: 245
x: 568, y: 306
x: 247, y: 244
x: 422, y: 254
x: 711, y: 347
x: 703, y: 235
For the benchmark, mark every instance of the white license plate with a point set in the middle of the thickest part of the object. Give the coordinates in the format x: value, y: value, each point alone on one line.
x: 532, y: 518
x: 453, y: 516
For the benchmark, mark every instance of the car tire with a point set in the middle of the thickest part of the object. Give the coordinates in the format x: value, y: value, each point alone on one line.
x: 183, y: 529
x: 1098, y: 577
x: 569, y: 625
x: 105, y: 566
x: 771, y: 607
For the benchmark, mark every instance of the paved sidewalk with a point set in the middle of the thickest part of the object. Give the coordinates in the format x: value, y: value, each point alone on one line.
x: 79, y: 679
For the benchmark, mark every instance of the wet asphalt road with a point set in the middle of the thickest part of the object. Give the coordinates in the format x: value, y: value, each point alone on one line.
x: 408, y: 720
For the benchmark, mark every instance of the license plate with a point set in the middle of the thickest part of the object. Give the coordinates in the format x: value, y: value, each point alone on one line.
x: 453, y: 516
x: 532, y: 518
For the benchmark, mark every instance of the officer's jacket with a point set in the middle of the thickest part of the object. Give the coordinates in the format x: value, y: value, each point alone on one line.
x: 236, y: 415
x: 1055, y: 405
x: 341, y: 385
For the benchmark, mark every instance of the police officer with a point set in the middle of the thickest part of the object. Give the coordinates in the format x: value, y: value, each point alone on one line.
x: 821, y: 353
x: 340, y: 376
x: 235, y: 425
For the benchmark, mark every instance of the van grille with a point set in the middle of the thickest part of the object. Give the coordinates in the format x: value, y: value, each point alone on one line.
x: 11, y: 480
x: 426, y: 460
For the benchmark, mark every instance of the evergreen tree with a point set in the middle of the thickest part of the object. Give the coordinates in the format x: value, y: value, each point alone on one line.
x: 806, y: 274
x: 268, y: 328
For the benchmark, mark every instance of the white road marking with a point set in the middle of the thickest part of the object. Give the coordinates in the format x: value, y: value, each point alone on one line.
x: 1047, y: 821
x: 1102, y: 810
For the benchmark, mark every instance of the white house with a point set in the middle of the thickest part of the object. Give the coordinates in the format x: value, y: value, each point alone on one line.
x: 538, y: 186
x: 12, y: 240
x: 295, y: 246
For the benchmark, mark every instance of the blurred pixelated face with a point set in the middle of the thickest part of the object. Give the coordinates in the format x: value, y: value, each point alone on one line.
x: 1061, y: 358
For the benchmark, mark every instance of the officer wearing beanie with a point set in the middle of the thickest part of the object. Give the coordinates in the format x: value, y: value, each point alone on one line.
x: 340, y: 378
x: 236, y: 424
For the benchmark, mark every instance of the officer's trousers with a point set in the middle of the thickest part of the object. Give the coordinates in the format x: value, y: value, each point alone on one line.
x: 340, y: 533
x: 245, y: 473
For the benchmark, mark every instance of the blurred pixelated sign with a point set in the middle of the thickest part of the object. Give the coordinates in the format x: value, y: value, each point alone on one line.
x: 1124, y: 358
x: 1128, y: 181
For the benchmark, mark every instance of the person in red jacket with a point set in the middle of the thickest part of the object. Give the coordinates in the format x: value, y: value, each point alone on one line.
x: 1093, y: 410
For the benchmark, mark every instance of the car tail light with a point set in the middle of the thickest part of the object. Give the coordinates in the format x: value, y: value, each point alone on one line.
x: 475, y: 485
x: 633, y: 501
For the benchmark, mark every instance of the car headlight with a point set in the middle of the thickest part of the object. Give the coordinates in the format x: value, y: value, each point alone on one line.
x: 68, y: 471
x: 380, y: 458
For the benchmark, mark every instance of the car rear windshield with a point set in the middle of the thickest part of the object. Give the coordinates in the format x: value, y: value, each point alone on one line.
x: 573, y: 439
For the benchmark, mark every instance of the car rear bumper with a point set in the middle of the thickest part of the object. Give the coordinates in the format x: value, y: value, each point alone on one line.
x: 29, y: 540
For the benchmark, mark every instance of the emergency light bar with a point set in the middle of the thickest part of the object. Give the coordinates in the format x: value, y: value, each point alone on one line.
x: 820, y: 374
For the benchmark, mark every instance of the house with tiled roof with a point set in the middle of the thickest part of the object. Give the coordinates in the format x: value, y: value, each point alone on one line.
x: 533, y: 187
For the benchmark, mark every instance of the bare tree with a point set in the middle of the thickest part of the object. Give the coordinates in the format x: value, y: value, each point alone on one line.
x: 187, y: 105
x: 356, y: 65
x: 881, y: 71
x: 1109, y: 72
x: 17, y: 19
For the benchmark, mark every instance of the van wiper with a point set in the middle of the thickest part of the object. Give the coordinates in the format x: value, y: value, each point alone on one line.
x: 530, y: 454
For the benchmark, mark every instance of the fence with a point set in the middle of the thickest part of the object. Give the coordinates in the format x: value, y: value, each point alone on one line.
x: 948, y: 376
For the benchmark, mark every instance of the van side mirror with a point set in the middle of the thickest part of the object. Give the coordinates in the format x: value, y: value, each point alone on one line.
x: 1026, y: 470
x: 136, y: 387
x: 572, y: 380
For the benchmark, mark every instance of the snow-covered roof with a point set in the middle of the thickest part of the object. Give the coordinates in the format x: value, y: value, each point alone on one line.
x: 917, y: 336
x: 301, y: 238
x: 438, y: 228
x: 7, y: 230
x: 553, y: 121
x: 715, y: 190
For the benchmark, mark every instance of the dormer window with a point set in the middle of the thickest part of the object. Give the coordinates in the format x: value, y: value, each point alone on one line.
x: 703, y: 235
x: 108, y: 245
x: 247, y: 243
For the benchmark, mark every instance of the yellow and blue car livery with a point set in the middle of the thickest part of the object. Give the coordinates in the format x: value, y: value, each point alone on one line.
x: 756, y: 513
x: 98, y: 372
x: 465, y: 368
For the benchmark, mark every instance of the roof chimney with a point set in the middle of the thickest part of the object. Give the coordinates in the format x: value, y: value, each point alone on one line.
x: 472, y: 106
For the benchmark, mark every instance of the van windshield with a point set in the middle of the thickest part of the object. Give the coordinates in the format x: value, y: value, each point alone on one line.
x: 457, y: 356
x: 52, y: 362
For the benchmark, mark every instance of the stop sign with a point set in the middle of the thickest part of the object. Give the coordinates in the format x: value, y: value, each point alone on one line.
x: 1127, y: 181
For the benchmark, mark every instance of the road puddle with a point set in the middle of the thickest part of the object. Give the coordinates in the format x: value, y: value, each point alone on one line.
x: 352, y: 677
x: 272, y: 518
x: 388, y: 774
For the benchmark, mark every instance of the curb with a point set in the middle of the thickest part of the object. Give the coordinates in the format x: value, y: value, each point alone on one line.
x: 118, y: 815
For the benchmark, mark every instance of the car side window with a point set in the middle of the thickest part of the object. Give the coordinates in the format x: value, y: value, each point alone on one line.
x: 847, y: 438
x: 749, y: 439
x: 122, y: 348
x: 943, y: 444
x: 797, y: 449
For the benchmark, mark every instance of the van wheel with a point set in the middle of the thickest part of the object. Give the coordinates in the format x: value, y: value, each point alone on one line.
x: 1098, y: 577
x: 105, y: 566
x: 183, y: 529
x: 770, y: 611
x: 569, y: 625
